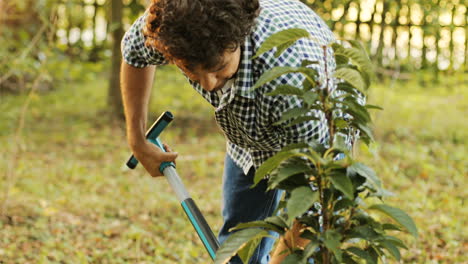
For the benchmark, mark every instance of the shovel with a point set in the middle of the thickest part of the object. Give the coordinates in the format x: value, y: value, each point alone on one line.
x: 188, y: 204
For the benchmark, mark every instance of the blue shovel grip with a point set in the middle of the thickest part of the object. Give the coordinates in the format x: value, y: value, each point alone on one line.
x: 152, y: 135
x: 164, y: 165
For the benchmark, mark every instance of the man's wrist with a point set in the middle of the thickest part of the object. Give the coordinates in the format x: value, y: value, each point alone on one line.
x: 137, y: 142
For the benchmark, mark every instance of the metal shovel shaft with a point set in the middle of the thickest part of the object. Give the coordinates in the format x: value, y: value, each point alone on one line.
x: 193, y: 213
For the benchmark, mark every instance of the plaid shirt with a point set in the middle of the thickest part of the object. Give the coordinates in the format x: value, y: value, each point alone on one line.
x: 247, y: 116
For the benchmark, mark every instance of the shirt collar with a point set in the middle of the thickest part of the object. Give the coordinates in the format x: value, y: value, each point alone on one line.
x: 243, y: 82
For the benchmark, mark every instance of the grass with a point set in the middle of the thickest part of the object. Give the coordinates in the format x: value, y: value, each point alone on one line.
x: 67, y: 198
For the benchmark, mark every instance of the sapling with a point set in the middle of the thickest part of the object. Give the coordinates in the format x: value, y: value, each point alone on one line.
x: 328, y: 191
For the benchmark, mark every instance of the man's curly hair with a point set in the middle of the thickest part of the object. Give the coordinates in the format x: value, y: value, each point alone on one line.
x: 198, y: 32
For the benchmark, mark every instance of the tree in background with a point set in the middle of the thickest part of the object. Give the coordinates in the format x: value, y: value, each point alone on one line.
x: 114, y: 98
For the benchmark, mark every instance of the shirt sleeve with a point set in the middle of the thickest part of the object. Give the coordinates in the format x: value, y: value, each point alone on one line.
x: 134, y: 51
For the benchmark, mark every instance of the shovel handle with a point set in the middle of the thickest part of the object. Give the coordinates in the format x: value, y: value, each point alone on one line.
x: 152, y: 135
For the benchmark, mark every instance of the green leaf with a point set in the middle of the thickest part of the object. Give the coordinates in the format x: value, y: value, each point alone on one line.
x: 307, y: 234
x: 336, y: 46
x: 282, y: 37
x: 258, y: 224
x: 281, y: 48
x: 276, y: 72
x: 340, y: 59
x: 309, y: 250
x: 272, y: 163
x: 331, y: 240
x: 360, y: 216
x: 277, y: 220
x: 237, y: 241
x: 340, y: 123
x: 359, y: 57
x: 293, y: 182
x: 399, y: 216
x: 361, y: 254
x: 395, y: 241
x: 392, y: 249
x: 365, y: 130
x: 388, y: 226
x: 369, y: 106
x: 310, y: 97
x: 347, y: 259
x: 246, y: 252
x: 287, y: 90
x: 341, y: 182
x: 382, y: 193
x: 306, y: 63
x: 365, y: 172
x: 316, y: 157
x: 358, y: 45
x: 291, y: 113
x: 365, y: 232
x: 334, y: 164
x: 286, y: 172
x: 351, y: 76
x: 373, y: 255
x: 307, y: 85
x: 292, y: 259
x: 345, y: 87
x: 360, y: 118
x: 301, y: 200
x: 359, y: 112
x: 366, y: 77
x: 340, y: 143
x: 343, y: 204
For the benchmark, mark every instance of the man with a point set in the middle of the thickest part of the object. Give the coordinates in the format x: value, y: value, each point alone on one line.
x: 212, y: 42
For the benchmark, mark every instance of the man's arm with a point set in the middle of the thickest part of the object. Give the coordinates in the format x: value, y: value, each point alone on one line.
x: 136, y: 86
x: 136, y: 89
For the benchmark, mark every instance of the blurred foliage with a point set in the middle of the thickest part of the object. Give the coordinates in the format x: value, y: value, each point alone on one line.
x: 20, y: 59
x: 30, y: 56
x: 43, y: 41
x: 50, y: 41
x: 418, y: 34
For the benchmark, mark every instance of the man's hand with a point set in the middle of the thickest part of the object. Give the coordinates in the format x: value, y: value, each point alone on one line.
x: 136, y: 85
x: 151, y: 157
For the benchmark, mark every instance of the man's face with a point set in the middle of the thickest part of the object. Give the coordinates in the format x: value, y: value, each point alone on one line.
x: 214, y: 79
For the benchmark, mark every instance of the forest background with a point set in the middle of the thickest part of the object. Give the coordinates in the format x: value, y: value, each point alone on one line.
x: 66, y: 198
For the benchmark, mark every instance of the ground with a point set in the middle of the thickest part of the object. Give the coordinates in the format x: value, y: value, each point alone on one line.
x: 66, y: 197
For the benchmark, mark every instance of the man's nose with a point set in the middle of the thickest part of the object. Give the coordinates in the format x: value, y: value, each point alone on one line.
x: 209, y: 81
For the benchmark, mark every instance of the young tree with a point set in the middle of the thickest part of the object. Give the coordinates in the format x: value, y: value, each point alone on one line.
x: 326, y: 188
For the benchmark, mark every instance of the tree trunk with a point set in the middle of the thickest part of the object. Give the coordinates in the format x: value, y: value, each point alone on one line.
x: 424, y: 27
x: 395, y: 26
x: 452, y: 41
x: 114, y: 98
x: 466, y: 41
x: 358, y: 21
x: 380, y: 47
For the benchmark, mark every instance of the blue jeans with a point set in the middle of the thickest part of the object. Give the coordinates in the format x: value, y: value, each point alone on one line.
x: 242, y: 204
